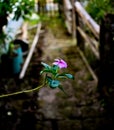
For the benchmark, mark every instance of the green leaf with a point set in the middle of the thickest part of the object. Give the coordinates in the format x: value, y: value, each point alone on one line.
x: 45, y: 70
x: 54, y: 83
x: 70, y: 76
x: 63, y: 75
x: 46, y: 65
x: 55, y: 68
x: 49, y: 69
x: 60, y: 76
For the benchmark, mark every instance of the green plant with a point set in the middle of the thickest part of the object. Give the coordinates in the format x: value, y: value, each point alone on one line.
x: 12, y: 9
x: 17, y: 7
x: 98, y: 8
x: 53, y: 77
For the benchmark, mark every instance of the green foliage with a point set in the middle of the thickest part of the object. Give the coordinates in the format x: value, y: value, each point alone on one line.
x: 4, y: 7
x: 24, y: 8
x: 98, y: 8
x: 52, y: 83
x: 13, y: 9
x: 17, y: 7
x: 53, y: 76
x: 64, y: 75
x: 56, y: 1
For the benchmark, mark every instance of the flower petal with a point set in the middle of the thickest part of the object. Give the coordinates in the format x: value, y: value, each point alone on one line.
x: 61, y: 63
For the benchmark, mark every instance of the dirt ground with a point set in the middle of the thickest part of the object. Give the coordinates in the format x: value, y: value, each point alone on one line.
x: 52, y: 109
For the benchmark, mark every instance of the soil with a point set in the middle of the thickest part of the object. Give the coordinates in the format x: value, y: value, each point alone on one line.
x: 80, y: 109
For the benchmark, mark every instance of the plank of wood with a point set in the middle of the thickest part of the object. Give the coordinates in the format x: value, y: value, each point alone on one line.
x: 87, y: 65
x: 29, y: 28
x: 84, y: 35
x: 67, y: 5
x: 87, y: 19
x: 29, y: 56
x: 73, y: 21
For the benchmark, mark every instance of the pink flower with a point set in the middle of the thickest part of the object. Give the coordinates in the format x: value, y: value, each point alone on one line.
x: 61, y: 63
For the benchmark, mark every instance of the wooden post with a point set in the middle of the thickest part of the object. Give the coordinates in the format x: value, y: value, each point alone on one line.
x: 60, y: 8
x: 87, y: 19
x: 106, y: 71
x: 80, y: 41
x: 73, y: 20
x: 31, y: 51
x: 68, y: 15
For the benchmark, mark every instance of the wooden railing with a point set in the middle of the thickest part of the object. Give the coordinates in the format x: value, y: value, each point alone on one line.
x: 85, y: 25
x: 93, y: 26
x: 100, y: 40
x: 30, y: 53
x: 83, y: 22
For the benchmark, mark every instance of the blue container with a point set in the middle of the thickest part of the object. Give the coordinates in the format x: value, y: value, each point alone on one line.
x: 17, y: 60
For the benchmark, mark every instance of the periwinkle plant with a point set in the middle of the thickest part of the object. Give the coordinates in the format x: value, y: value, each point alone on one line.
x: 53, y: 74
x: 53, y: 77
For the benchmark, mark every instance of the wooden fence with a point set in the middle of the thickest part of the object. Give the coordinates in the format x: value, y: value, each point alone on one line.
x: 87, y: 35
x: 81, y: 25
x: 100, y: 40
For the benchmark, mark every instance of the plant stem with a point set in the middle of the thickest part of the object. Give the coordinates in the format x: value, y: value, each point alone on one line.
x: 20, y: 92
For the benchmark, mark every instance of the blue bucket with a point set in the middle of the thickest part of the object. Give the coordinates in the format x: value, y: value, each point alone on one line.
x: 17, y: 60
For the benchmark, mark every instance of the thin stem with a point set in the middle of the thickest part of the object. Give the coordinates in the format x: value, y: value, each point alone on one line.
x: 20, y: 92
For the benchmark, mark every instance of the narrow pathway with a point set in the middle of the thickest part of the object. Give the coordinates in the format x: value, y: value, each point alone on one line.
x: 80, y: 110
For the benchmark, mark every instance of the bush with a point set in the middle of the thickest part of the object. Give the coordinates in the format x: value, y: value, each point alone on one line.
x: 98, y: 8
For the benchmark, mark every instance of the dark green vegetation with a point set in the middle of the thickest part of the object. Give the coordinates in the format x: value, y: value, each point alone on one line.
x: 8, y: 7
x: 97, y: 9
